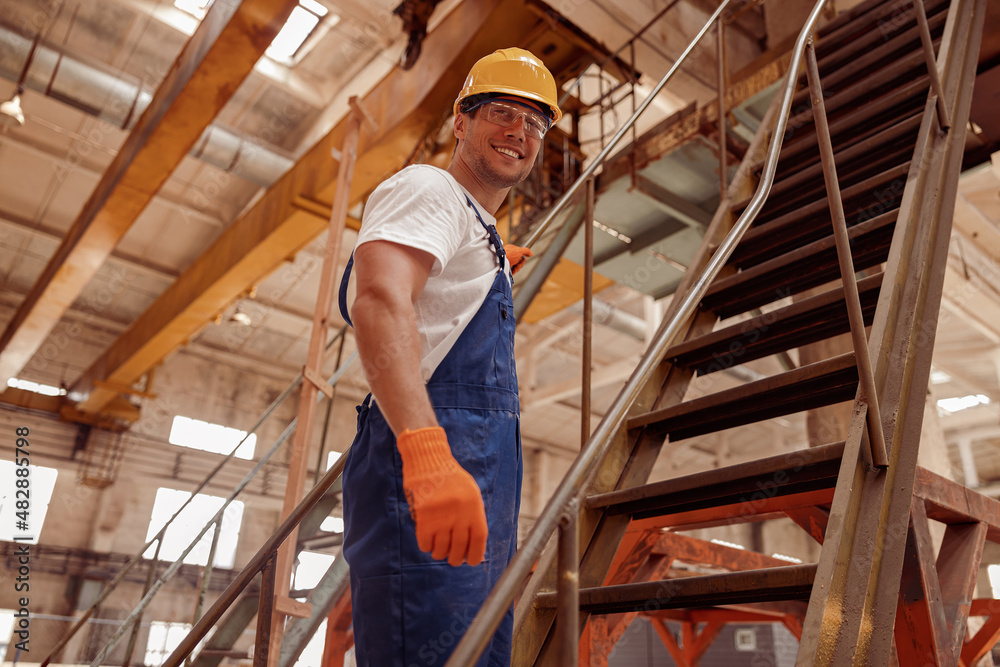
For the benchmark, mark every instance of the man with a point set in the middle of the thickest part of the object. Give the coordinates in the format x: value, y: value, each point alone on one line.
x: 432, y: 482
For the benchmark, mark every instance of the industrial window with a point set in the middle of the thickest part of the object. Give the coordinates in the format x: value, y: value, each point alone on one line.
x: 790, y: 559
x: 180, y: 533
x: 39, y: 489
x: 312, y: 654
x: 331, y: 458
x: 994, y: 572
x: 332, y: 524
x: 163, y: 639
x: 745, y: 639
x: 209, y: 437
x: 196, y: 8
x: 6, y: 628
x: 310, y: 569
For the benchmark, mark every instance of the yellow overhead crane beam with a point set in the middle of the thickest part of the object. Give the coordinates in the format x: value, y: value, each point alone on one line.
x: 405, y: 105
x: 212, y: 65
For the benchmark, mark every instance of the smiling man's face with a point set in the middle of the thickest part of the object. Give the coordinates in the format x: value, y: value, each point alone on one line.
x: 500, y: 157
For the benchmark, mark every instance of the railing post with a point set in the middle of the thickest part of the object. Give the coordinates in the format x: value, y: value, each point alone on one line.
x: 866, y: 375
x: 723, y: 86
x: 568, y: 614
x: 928, y: 46
x: 588, y: 311
x: 206, y: 578
x: 265, y: 610
x: 133, y: 638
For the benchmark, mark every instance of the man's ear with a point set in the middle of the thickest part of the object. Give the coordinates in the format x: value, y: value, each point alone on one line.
x: 461, y: 125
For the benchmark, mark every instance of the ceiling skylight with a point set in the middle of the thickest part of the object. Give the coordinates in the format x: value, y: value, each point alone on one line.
x: 300, y: 25
x: 939, y: 377
x: 962, y: 402
x: 196, y: 8
x: 28, y: 385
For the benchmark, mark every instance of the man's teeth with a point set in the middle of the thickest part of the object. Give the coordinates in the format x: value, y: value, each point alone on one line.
x: 507, y: 151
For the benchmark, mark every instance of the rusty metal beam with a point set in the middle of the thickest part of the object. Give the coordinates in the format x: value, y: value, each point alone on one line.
x: 952, y: 503
x: 813, y: 520
x: 645, y: 554
x: 787, y: 582
x: 958, y: 569
x: 701, y: 552
x: 921, y: 628
x: 403, y: 104
x: 984, y: 640
x: 339, y: 634
x: 669, y: 642
x: 702, y: 639
x: 212, y: 65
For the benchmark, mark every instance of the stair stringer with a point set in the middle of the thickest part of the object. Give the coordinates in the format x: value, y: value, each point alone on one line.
x: 853, y: 606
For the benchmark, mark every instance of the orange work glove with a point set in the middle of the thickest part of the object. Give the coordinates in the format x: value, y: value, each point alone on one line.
x: 517, y: 255
x: 444, y: 499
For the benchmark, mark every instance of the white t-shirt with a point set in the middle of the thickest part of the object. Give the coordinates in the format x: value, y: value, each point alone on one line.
x: 424, y: 207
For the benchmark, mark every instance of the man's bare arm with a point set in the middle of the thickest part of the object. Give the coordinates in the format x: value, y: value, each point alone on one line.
x: 390, y: 277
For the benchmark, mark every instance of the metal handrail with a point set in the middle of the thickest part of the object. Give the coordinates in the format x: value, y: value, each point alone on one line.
x: 217, y: 517
x: 138, y: 557
x: 574, y: 484
x: 263, y: 561
x: 568, y: 195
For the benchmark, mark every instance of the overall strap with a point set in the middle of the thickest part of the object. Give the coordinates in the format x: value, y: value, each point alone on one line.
x: 342, y: 297
x: 491, y: 231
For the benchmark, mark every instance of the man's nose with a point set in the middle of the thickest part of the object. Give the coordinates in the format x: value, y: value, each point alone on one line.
x: 516, y: 129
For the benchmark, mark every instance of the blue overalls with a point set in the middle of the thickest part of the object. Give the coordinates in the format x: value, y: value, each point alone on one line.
x: 409, y: 609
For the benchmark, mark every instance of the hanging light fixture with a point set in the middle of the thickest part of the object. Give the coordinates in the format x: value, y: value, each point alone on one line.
x: 11, y: 112
x: 241, y: 318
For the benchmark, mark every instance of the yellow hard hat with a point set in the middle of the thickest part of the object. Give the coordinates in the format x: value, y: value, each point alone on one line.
x: 512, y: 72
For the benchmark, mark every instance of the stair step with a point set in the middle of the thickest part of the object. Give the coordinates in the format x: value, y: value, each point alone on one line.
x: 868, y: 199
x: 309, y: 527
x: 852, y: 24
x: 843, y: 26
x: 870, y: 118
x: 881, y: 158
x: 851, y: 162
x: 857, y: 60
x: 792, y: 582
x: 816, y: 318
x: 743, y: 491
x: 850, y: 100
x: 800, y: 269
x: 823, y: 383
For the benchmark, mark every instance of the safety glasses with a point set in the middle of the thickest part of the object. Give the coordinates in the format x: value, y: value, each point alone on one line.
x: 505, y: 114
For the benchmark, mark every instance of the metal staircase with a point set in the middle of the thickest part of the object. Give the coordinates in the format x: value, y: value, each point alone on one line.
x: 863, y: 187
x: 864, y: 181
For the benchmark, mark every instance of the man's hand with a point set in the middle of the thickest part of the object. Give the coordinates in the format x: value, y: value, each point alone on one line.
x: 517, y: 255
x: 444, y: 499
